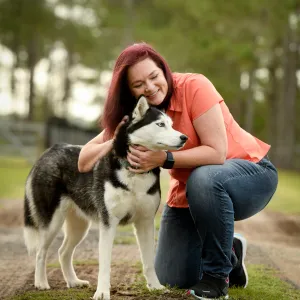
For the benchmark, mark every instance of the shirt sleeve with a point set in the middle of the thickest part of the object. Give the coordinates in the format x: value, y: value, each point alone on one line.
x: 201, y: 95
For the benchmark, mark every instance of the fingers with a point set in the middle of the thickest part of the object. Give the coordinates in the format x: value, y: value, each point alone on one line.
x: 137, y: 147
x: 133, y: 160
x: 123, y: 121
x: 137, y: 170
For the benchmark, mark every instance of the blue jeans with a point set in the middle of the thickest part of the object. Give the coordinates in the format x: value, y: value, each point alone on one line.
x: 199, y: 238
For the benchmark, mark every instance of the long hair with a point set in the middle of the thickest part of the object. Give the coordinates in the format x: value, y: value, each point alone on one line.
x: 120, y: 101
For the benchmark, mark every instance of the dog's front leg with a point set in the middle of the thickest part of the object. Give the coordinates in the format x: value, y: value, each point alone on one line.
x: 144, y: 230
x: 106, y: 240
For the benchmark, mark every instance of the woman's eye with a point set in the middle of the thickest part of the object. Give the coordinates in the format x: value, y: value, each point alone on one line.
x: 160, y: 124
x: 138, y: 86
x: 154, y: 77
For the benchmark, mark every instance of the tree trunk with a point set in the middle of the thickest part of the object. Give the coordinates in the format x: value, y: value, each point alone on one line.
x: 67, y: 81
x: 286, y: 126
x: 16, y: 45
x: 249, y: 109
x: 128, y: 30
x: 32, y: 60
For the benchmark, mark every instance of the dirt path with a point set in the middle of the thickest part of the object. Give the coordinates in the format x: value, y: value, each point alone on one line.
x: 274, y: 240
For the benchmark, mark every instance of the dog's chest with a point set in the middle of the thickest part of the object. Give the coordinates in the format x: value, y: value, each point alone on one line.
x: 136, y: 183
x: 135, y: 199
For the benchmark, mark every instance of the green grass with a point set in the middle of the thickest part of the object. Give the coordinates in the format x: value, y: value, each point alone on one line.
x: 70, y: 294
x: 286, y: 198
x: 265, y: 285
x: 13, y: 173
x: 88, y: 262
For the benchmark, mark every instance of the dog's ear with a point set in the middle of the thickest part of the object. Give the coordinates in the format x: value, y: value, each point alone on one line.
x: 140, y: 109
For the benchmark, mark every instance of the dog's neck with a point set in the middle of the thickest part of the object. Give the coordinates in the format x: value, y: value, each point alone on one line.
x: 121, y: 146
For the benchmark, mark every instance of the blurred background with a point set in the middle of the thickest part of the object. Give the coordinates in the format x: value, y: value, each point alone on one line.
x: 56, y: 58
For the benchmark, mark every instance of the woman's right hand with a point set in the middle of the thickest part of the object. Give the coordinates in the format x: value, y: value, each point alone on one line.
x: 123, y: 121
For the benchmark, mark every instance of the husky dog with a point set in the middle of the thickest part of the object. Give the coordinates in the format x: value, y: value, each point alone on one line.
x: 56, y: 194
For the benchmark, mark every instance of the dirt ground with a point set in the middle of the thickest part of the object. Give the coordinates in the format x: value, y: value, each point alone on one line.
x: 274, y: 240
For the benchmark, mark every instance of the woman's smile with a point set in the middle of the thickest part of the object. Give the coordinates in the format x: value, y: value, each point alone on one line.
x: 146, y: 78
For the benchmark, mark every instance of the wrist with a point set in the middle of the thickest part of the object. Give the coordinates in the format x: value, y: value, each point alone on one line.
x: 169, y: 161
x: 163, y: 158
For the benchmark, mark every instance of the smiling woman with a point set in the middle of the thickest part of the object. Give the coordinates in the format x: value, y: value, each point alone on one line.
x: 146, y: 78
x: 220, y: 176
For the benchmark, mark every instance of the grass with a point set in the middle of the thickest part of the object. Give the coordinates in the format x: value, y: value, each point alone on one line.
x: 13, y: 173
x: 286, y: 198
x: 265, y: 285
x: 71, y: 294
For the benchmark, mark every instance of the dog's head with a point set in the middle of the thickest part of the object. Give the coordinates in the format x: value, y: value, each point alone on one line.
x: 151, y: 128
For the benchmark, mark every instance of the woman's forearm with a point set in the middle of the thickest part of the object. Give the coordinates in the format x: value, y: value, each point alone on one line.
x: 198, y: 156
x: 90, y: 153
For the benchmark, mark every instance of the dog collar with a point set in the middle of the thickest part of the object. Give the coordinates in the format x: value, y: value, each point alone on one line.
x: 125, y: 163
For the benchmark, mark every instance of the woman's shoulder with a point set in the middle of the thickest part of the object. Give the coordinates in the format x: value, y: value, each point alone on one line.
x: 182, y: 79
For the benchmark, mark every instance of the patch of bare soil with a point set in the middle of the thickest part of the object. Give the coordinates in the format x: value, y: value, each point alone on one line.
x: 273, y: 238
x: 278, y: 237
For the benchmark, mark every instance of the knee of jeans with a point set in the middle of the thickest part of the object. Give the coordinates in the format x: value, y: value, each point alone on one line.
x: 200, y: 184
x: 168, y: 278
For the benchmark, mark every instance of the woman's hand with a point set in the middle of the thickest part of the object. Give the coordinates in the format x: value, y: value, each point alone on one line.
x: 143, y: 160
x: 123, y: 121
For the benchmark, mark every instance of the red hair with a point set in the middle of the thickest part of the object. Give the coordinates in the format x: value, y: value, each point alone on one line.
x: 119, y: 101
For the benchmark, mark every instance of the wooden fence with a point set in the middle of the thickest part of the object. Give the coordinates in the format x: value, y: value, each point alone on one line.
x: 30, y: 139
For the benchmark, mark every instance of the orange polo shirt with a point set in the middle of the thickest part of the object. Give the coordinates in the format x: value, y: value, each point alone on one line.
x: 193, y: 95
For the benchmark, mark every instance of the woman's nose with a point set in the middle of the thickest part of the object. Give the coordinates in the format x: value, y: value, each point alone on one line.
x: 149, y: 87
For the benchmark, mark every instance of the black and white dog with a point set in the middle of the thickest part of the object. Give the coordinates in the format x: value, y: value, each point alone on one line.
x: 56, y: 194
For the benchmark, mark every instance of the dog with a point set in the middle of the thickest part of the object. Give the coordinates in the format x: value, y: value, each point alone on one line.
x: 57, y: 194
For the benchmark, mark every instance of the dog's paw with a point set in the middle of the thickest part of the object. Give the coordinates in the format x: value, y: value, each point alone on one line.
x: 155, y: 286
x: 78, y: 283
x: 101, y: 295
x: 42, y: 286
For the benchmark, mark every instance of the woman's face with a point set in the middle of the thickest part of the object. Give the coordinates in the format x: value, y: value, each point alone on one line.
x: 146, y: 78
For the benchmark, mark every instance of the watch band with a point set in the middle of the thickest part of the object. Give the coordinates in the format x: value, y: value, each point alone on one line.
x: 169, y: 162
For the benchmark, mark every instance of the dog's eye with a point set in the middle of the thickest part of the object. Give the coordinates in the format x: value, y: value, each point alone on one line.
x: 160, y: 124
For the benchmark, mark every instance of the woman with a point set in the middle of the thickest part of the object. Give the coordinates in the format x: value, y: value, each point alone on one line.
x: 221, y: 175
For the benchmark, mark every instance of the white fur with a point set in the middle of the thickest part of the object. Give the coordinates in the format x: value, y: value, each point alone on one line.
x: 29, y: 195
x: 154, y: 136
x: 31, y: 235
x: 142, y: 208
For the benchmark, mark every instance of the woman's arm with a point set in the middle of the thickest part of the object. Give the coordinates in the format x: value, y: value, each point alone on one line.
x: 96, y: 149
x: 92, y: 151
x: 213, y: 150
x: 211, y: 130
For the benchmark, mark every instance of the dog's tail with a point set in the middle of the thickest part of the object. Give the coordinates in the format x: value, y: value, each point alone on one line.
x: 31, y: 233
x: 31, y: 237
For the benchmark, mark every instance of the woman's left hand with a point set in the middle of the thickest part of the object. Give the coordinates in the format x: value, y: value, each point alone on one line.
x: 143, y: 160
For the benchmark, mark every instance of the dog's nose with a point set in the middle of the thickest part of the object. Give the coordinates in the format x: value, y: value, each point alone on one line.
x: 183, y: 138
